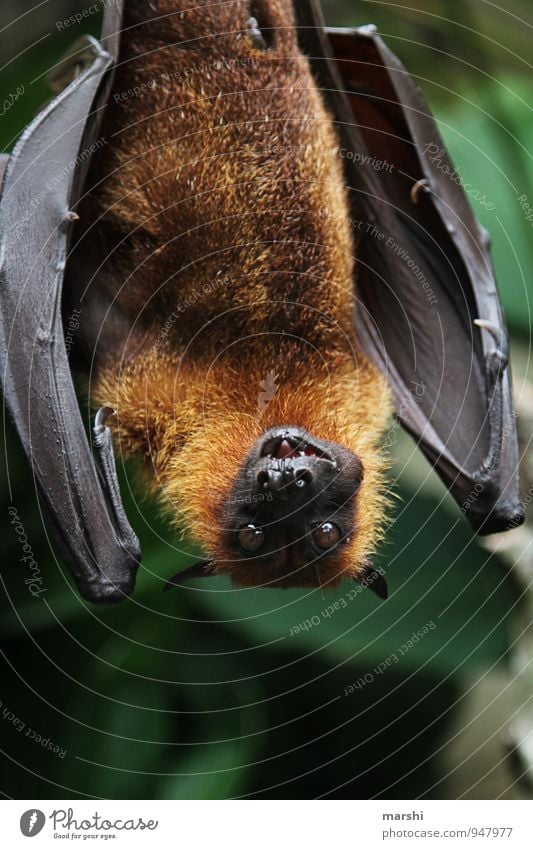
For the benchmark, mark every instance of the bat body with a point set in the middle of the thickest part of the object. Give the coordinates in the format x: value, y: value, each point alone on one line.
x: 263, y: 263
x: 225, y: 255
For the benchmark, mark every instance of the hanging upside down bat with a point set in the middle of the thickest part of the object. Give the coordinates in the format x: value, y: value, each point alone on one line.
x: 244, y: 212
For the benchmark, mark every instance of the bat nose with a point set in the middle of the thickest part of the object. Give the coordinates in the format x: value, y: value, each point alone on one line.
x: 286, y: 482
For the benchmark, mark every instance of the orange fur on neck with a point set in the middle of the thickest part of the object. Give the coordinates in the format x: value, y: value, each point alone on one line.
x: 196, y: 430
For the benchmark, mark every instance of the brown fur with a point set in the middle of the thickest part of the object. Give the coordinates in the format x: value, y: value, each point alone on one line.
x: 225, y: 251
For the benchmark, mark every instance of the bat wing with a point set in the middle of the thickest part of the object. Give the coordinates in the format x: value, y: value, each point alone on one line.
x: 427, y: 308
x: 41, y: 183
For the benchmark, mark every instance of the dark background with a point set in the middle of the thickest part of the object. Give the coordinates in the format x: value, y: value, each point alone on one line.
x: 203, y: 693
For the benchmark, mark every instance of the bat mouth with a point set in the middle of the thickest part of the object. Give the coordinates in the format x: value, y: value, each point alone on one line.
x: 293, y: 445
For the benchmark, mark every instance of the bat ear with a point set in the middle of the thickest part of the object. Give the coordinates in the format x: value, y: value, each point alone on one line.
x: 373, y: 580
x: 200, y: 569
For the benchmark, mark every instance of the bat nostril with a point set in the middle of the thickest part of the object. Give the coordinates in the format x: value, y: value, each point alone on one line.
x: 283, y: 482
x: 303, y: 477
x: 262, y: 480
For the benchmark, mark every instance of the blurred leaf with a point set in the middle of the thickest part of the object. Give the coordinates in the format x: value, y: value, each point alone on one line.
x: 479, y: 150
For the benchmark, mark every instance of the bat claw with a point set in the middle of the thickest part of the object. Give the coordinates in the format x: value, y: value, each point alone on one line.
x: 200, y: 569
x: 423, y: 185
x: 257, y: 36
x: 494, y: 331
x: 101, y: 419
x: 373, y: 580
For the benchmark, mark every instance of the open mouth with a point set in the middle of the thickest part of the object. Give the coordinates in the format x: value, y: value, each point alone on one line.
x: 288, y: 445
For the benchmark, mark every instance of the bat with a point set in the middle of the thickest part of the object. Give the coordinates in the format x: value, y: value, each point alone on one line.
x: 243, y: 227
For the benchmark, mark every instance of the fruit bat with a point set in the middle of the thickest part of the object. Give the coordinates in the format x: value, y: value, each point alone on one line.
x: 246, y: 231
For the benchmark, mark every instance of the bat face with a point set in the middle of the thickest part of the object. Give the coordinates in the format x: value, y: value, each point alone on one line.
x: 270, y: 505
x: 291, y: 514
x: 292, y: 509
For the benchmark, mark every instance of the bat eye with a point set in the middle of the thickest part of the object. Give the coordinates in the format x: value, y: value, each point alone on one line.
x: 251, y: 538
x: 327, y: 535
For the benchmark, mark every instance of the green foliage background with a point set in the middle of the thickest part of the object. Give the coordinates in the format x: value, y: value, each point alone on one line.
x: 203, y: 693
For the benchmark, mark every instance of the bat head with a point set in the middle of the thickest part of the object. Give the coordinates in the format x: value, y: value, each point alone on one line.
x: 293, y: 495
x: 292, y: 509
x: 291, y: 516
